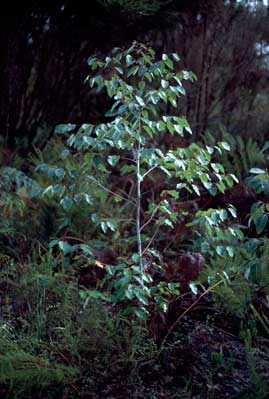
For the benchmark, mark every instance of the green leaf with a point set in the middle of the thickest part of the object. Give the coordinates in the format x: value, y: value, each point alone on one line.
x: 168, y: 222
x: 111, y: 225
x: 161, y: 126
x: 86, y: 249
x: 193, y: 288
x: 135, y: 258
x: 220, y: 250
x: 132, y: 71
x: 176, y: 57
x: 221, y: 187
x: 207, y: 185
x: 261, y: 222
x: 104, y: 226
x: 91, y: 60
x: 53, y: 243
x: 170, y: 127
x: 223, y: 214
x: 232, y: 211
x: 89, y: 199
x: 257, y: 171
x: 140, y: 101
x: 141, y: 297
x: 113, y: 159
x: 61, y: 129
x: 119, y: 70
x: 129, y: 60
x: 179, y: 129
x: 140, y: 313
x: 59, y: 172
x: 230, y: 251
x: 169, y: 63
x: 67, y: 203
x: 225, y: 146
x: 234, y: 178
x: 196, y: 189
x: 164, y: 83
x: 66, y: 248
x: 229, y: 181
x: 253, y: 244
x: 148, y: 76
x: 65, y: 153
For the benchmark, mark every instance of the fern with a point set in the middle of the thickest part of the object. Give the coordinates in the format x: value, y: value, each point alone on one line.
x: 247, y: 272
x: 14, y: 180
x: 22, y: 370
x: 243, y: 155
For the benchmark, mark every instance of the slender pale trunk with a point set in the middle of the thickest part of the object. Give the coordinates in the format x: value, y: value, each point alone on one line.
x: 138, y: 199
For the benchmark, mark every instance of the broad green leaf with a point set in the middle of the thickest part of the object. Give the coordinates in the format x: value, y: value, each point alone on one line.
x: 135, y: 258
x: 91, y: 60
x: 59, y: 172
x: 253, y: 244
x: 196, y: 189
x: 132, y: 71
x: 53, y: 243
x: 229, y: 181
x: 169, y: 63
x: 225, y: 146
x: 119, y: 70
x: 168, y: 222
x: 113, y: 159
x: 61, y: 129
x: 111, y: 225
x: 164, y: 83
x: 129, y: 60
x: 230, y: 251
x: 67, y: 203
x: 141, y: 297
x: 104, y: 226
x: 220, y: 250
x: 66, y: 248
x: 89, y: 199
x: 257, y: 171
x: 232, y: 211
x: 176, y: 57
x: 65, y: 153
x: 140, y: 101
x: 221, y: 187
x: 193, y: 288
x: 261, y: 222
x: 86, y: 249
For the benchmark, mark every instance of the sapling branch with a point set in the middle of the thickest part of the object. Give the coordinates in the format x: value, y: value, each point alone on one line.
x: 151, y: 217
x: 151, y: 240
x: 149, y: 171
x: 207, y: 291
x: 111, y: 192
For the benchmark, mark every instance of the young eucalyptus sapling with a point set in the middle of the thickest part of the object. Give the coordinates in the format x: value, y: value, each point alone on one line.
x: 139, y: 85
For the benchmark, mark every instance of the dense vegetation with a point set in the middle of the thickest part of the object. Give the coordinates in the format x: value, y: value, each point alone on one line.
x: 134, y: 246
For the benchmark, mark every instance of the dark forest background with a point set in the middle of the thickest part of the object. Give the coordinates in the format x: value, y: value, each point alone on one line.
x: 44, y: 51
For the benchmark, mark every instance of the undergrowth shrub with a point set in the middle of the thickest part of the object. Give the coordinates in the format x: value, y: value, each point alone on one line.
x: 247, y: 280
x: 21, y: 371
x: 53, y: 341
